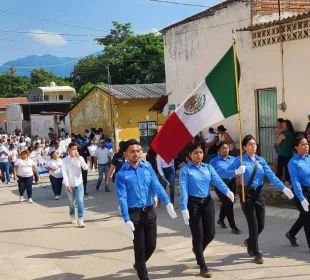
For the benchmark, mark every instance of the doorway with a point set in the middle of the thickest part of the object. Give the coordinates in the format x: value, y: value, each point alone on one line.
x: 267, y: 117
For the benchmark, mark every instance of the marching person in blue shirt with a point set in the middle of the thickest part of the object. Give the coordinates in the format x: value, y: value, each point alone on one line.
x: 221, y: 164
x: 136, y: 184
x: 299, y: 168
x: 254, y: 206
x: 196, y: 202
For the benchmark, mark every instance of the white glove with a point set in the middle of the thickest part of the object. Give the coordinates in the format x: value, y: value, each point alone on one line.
x: 155, y: 201
x: 171, y: 211
x: 185, y: 216
x: 231, y: 196
x: 288, y: 193
x: 305, y: 205
x: 240, y: 170
x: 131, y: 229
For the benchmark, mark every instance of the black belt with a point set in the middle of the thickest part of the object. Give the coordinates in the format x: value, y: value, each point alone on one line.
x: 199, y: 199
x: 143, y: 209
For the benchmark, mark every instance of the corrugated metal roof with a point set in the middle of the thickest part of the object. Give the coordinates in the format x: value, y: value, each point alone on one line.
x: 159, y: 105
x: 209, y: 12
x: 276, y: 22
x: 136, y: 90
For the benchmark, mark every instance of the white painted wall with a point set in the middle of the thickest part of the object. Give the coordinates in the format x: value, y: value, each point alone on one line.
x: 189, y: 56
x: 40, y: 124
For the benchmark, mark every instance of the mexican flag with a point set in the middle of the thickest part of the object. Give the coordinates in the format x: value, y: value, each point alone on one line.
x: 214, y: 100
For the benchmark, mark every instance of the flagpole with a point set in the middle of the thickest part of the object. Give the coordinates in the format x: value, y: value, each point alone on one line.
x: 239, y: 113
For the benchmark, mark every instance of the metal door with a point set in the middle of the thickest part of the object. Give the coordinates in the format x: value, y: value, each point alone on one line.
x: 267, y: 118
x: 146, y: 134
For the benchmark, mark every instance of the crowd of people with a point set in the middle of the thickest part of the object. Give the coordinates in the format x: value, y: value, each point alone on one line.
x: 141, y: 185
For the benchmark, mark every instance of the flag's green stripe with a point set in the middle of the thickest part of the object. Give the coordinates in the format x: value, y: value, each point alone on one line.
x: 221, y: 83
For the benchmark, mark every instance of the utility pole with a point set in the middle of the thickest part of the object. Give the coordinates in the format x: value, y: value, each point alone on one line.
x: 279, y: 8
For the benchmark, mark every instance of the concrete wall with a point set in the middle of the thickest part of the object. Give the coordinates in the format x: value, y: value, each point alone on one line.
x: 119, y: 120
x: 40, y: 125
x: 192, y: 49
x: 35, y: 95
x: 135, y: 110
x: 2, y: 119
x: 93, y: 111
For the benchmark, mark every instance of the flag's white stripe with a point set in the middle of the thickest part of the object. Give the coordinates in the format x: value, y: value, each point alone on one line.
x: 209, y: 115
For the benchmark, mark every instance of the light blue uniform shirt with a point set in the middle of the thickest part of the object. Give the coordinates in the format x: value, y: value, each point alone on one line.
x: 263, y: 169
x: 136, y: 187
x: 299, y: 168
x: 221, y: 165
x: 195, y: 181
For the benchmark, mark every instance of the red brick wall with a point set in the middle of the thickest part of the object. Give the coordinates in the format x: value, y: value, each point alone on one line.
x: 268, y: 7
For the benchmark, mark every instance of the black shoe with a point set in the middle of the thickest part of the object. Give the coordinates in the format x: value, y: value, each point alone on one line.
x: 107, y: 190
x: 259, y: 259
x: 247, y: 246
x: 97, y: 188
x: 292, y: 240
x: 134, y: 267
x: 235, y: 230
x: 222, y: 224
x: 85, y: 193
x: 205, y: 272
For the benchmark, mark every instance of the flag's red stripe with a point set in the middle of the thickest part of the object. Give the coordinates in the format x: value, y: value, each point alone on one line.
x: 172, y: 138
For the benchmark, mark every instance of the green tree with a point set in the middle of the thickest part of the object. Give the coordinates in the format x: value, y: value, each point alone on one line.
x: 40, y: 78
x: 130, y: 58
x: 14, y: 86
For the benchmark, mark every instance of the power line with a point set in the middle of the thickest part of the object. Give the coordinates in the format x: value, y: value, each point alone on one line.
x: 53, y: 21
x: 50, y: 33
x: 179, y: 3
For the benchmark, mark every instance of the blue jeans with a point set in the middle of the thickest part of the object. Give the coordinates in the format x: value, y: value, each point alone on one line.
x: 170, y: 176
x: 78, y: 195
x: 103, y: 168
x: 5, y: 170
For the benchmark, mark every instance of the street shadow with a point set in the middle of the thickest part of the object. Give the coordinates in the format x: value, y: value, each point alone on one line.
x: 75, y: 254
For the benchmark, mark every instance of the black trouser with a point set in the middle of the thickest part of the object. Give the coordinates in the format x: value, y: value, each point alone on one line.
x: 84, y: 176
x: 254, y: 211
x: 25, y: 183
x: 56, y: 185
x: 304, y: 217
x: 282, y: 163
x: 202, y: 225
x: 227, y: 207
x: 144, y: 237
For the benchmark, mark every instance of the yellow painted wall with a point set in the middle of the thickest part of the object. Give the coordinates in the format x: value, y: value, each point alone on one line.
x: 2, y: 119
x: 135, y: 110
x: 93, y: 111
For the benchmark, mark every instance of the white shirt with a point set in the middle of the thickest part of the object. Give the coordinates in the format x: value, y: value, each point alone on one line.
x: 71, y: 170
x: 92, y: 150
x: 63, y: 146
x: 210, y: 138
x: 27, y: 139
x: 53, y: 149
x: 162, y: 164
x: 68, y: 141
x: 57, y: 164
x: 103, y: 155
x: 22, y: 146
x: 24, y: 167
x: 13, y: 154
x: 63, y: 134
x: 4, y: 154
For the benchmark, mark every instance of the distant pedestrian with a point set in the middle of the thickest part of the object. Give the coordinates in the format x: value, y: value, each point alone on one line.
x: 84, y: 153
x: 24, y: 168
x: 72, y: 178
x: 54, y: 166
x: 103, y: 156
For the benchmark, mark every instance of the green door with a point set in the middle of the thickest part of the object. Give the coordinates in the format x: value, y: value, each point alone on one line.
x: 267, y: 118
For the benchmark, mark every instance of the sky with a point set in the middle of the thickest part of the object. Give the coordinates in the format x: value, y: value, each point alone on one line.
x: 144, y: 15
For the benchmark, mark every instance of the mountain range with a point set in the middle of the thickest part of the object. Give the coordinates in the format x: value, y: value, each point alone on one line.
x: 36, y: 61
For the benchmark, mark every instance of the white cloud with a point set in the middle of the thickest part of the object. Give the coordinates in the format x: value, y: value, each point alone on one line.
x: 154, y: 30
x: 47, y: 38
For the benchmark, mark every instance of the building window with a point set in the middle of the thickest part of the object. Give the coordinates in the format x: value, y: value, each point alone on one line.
x: 61, y: 97
x: 46, y: 98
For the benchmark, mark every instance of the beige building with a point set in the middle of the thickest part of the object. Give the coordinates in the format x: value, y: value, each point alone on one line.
x: 51, y: 93
x: 274, y: 74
